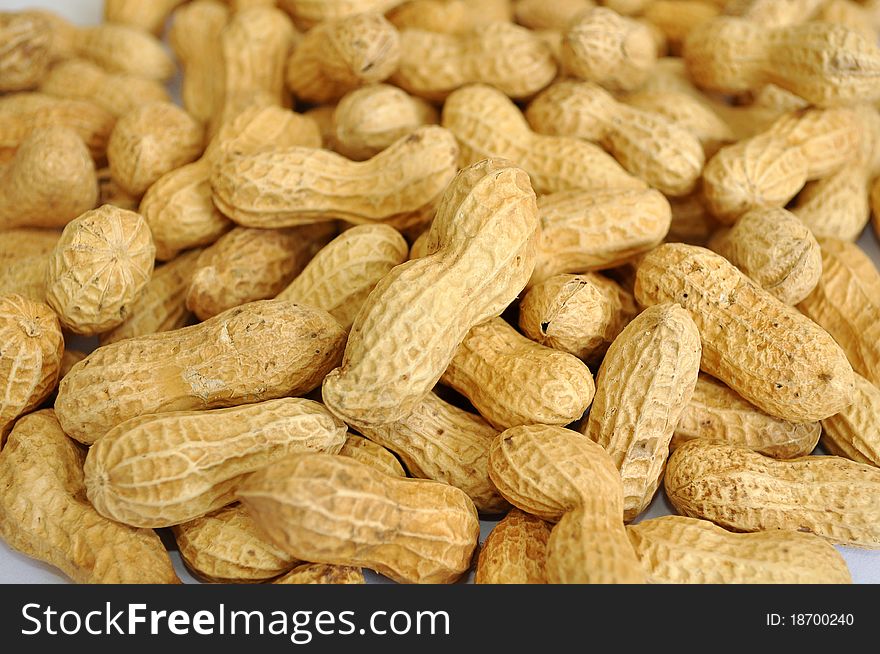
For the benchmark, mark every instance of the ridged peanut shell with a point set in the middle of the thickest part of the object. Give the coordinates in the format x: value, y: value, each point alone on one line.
x: 99, y: 268
x: 307, y: 13
x: 541, y: 15
x: 30, y: 356
x: 164, y: 469
x: 260, y: 351
x: 124, y: 49
x: 44, y: 513
x: 149, y: 16
x: 450, y: 16
x: 837, y: 206
x: 643, y: 385
x: 372, y: 454
x: 680, y: 550
x: 333, y: 509
x: 322, y: 573
x: 719, y: 414
x: 512, y: 380
x: 26, y: 50
x: 515, y: 552
x: 854, y: 433
x: 766, y: 351
x: 24, y: 258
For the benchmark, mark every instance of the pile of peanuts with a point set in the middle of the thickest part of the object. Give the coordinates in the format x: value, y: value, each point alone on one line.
x: 396, y: 265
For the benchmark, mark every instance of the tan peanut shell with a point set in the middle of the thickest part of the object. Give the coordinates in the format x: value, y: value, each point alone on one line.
x: 676, y: 19
x: 24, y: 258
x: 837, y: 206
x: 195, y: 38
x: 26, y: 50
x: 827, y: 65
x: 30, y: 357
x: 44, y: 513
x: 540, y: 15
x: 650, y: 146
x: 643, y: 385
x: 249, y: 264
x: 767, y: 352
x: 344, y: 272
x: 124, y: 49
x: 372, y: 454
x: 441, y: 442
x: 341, y: 55
x: 164, y: 469
x: 50, y: 181
x: 100, y: 266
x: 846, y: 303
x: 370, y: 119
x: 294, y: 186
x: 515, y: 552
x: 854, y: 433
x: 512, y: 380
x: 717, y: 413
x: 450, y: 16
x: 680, y: 550
x: 741, y: 490
x: 161, y: 306
x: 148, y: 16
x: 487, y: 124
x: 769, y: 169
x: 117, y: 93
x: 322, y: 573
x: 611, y: 50
x: 480, y: 253
x: 226, y: 546
x: 776, y: 250
x: 578, y: 314
x: 260, y: 351
x: 22, y: 113
x: 507, y: 57
x: 333, y: 509
x: 149, y: 141
x: 583, y: 231
x: 559, y: 475
x: 774, y: 13
x: 307, y: 13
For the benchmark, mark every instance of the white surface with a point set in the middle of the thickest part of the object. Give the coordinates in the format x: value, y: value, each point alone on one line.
x: 16, y: 568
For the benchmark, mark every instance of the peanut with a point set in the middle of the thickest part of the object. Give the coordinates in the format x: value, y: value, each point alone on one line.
x: 560, y: 476
x: 770, y: 354
x: 776, y: 250
x: 339, y: 56
x: 44, y: 513
x: 846, y: 302
x: 252, y: 353
x: 450, y: 16
x: 827, y: 65
x: 322, y: 573
x: 333, y: 509
x: 308, y: 13
x: 679, y: 550
x: 50, y: 181
x: 30, y: 360
x: 769, y: 169
x: 480, y: 253
x: 651, y: 147
x: 487, y: 124
x: 718, y: 414
x: 251, y: 264
x: 507, y: 57
x: 161, y: 306
x: 370, y: 119
x: 341, y: 276
x: 123, y: 49
x: 583, y: 231
x: 611, y: 50
x: 578, y: 314
x: 676, y: 19
x: 441, y: 442
x: 850, y: 14
x: 25, y: 50
x: 119, y: 94
x: 24, y: 258
x: 151, y: 140
x: 100, y: 265
x: 514, y: 381
x: 164, y: 469
x: 775, y: 13
x: 854, y: 433
x: 148, y: 16
x: 540, y: 15
x: 295, y: 186
x: 515, y: 551
x: 372, y: 454
x: 741, y: 490
x: 226, y: 546
x: 645, y: 381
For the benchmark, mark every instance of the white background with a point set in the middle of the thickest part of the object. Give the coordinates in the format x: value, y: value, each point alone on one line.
x: 16, y: 568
